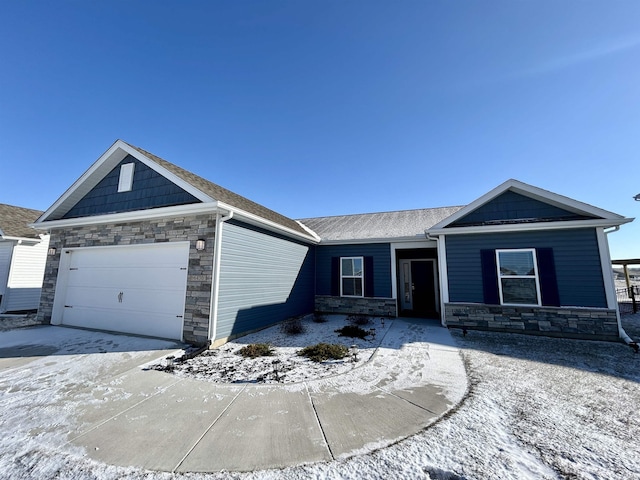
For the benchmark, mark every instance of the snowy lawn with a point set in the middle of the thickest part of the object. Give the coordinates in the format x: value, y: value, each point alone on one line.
x: 537, y: 408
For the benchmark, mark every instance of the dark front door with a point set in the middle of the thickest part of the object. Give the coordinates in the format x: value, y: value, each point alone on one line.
x: 418, y: 288
x: 424, y: 287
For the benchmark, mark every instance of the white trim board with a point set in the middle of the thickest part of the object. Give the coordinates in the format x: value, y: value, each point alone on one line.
x: 535, y: 193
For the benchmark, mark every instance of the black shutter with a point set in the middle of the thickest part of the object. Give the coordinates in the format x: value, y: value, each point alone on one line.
x: 368, y: 276
x: 489, y: 277
x: 335, y: 276
x: 547, y: 275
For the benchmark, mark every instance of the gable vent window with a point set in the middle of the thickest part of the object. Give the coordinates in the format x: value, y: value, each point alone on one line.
x: 126, y: 177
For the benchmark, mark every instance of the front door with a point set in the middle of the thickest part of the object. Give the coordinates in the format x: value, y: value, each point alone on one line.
x: 418, y: 287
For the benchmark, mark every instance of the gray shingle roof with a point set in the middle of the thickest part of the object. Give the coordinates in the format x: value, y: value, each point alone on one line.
x: 384, y: 225
x: 223, y: 195
x: 14, y: 221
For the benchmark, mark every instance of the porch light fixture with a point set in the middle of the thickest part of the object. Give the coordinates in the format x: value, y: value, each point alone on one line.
x: 51, y: 251
x: 200, y: 245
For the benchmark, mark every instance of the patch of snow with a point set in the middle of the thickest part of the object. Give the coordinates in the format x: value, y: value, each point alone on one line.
x: 537, y: 408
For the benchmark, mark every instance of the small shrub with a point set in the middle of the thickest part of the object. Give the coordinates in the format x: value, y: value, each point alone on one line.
x: 324, y: 351
x: 358, y: 319
x: 352, y: 331
x: 293, y: 326
x: 255, y: 350
x: 319, y: 318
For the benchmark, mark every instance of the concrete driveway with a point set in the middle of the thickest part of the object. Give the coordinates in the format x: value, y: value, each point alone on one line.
x: 88, y: 394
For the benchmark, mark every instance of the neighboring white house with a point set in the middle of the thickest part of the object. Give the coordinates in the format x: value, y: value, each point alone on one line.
x: 23, y: 254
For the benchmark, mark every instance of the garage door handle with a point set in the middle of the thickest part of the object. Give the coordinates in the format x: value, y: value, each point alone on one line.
x: 120, y: 297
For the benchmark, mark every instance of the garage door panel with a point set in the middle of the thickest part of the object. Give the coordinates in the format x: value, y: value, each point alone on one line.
x: 125, y: 277
x: 158, y: 300
x: 139, y: 323
x: 137, y: 290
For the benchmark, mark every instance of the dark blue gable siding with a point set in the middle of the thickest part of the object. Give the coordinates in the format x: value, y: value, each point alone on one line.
x: 512, y: 206
x: 576, y: 255
x: 380, y: 252
x: 149, y: 190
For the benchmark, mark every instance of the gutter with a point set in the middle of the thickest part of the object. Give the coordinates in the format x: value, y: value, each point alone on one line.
x: 215, y: 287
x: 621, y: 332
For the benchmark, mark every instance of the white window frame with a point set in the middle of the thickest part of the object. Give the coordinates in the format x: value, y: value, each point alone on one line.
x: 125, y: 182
x: 535, y: 276
x: 361, y: 276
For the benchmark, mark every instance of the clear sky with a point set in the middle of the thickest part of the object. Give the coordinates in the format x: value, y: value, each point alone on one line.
x: 317, y: 108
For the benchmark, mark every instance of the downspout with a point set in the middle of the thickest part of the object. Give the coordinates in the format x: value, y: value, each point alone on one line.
x: 215, y: 287
x: 623, y: 335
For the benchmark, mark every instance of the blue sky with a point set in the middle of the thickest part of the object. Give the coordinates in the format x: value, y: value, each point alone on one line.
x: 330, y: 107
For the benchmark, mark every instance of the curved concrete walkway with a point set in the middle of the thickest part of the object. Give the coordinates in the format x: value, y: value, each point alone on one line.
x: 92, y: 393
x: 158, y: 421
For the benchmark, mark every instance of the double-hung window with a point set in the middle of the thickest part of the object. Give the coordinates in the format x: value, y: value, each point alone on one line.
x: 352, y: 276
x: 518, y: 280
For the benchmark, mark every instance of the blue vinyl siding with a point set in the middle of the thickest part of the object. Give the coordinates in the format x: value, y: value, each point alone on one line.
x: 576, y: 254
x: 512, y: 206
x: 381, y: 253
x: 149, y: 190
x: 264, y: 279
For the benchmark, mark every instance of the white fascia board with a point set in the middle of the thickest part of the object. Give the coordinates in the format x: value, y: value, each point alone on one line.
x: 203, y: 197
x: 255, y: 220
x: 101, y: 167
x: 311, y: 232
x: 530, y: 191
x: 523, y: 227
x: 83, y: 180
x: 180, y: 210
x: 22, y: 240
x: 418, y: 239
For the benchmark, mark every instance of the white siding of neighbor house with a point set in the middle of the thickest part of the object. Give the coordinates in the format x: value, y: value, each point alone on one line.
x: 25, y: 276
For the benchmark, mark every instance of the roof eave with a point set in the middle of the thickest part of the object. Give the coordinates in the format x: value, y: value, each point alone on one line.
x: 357, y: 241
x: 258, y: 221
x: 519, y: 227
x: 107, y: 161
x: 536, y: 193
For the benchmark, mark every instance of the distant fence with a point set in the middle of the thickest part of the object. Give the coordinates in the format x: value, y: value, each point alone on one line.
x: 628, y: 299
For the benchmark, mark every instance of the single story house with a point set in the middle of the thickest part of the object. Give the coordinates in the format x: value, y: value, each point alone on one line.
x: 23, y: 253
x: 140, y: 245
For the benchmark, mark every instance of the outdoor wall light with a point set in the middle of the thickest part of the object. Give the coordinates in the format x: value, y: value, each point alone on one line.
x: 200, y: 244
x: 51, y: 251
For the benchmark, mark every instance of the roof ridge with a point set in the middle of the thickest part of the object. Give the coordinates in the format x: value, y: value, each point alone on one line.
x: 386, y: 211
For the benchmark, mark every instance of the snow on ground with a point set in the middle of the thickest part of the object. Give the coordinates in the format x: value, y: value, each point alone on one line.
x: 226, y: 365
x: 538, y: 408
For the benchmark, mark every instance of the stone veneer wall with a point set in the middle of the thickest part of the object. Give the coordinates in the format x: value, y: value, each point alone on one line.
x: 385, y: 307
x: 586, y: 323
x: 190, y: 228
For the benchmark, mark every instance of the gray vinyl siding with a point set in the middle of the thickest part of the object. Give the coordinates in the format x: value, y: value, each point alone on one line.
x: 512, y: 206
x: 149, y: 190
x: 576, y: 255
x: 381, y: 253
x: 6, y: 249
x: 263, y: 279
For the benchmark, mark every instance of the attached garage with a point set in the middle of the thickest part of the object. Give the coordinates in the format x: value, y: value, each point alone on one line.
x: 137, y: 289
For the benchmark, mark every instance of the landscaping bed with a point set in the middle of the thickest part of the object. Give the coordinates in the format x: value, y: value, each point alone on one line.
x: 275, y: 354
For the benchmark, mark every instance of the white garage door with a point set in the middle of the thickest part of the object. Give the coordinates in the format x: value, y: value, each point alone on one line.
x: 137, y: 289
